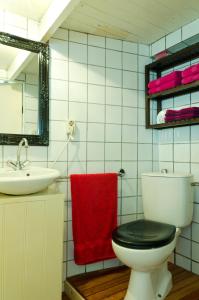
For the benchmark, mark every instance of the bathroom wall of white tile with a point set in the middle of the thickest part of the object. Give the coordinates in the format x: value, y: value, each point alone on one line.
x: 96, y: 81
x: 179, y: 148
x: 99, y: 82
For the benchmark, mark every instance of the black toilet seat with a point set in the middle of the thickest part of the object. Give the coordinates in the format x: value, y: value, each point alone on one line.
x: 143, y: 234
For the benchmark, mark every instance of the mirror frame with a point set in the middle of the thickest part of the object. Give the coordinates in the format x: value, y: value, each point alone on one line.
x: 42, y: 139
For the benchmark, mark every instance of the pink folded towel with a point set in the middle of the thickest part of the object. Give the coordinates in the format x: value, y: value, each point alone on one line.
x: 190, y: 71
x: 183, y: 111
x: 181, y: 117
x: 162, y: 80
x: 181, y: 114
x: 154, y: 90
x: 189, y: 79
x: 170, y: 84
x: 154, y: 83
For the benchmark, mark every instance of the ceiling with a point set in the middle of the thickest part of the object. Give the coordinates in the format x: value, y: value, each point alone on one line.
x: 135, y: 20
x: 33, y: 9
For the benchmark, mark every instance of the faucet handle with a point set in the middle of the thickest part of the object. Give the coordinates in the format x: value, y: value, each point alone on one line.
x: 12, y: 164
x: 25, y: 163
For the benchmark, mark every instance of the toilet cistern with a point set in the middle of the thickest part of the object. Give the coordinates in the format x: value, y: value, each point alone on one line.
x: 19, y: 165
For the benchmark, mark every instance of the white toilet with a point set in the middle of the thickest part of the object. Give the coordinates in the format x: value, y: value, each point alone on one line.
x: 145, y: 245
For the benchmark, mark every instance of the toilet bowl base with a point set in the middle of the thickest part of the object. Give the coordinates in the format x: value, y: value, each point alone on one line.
x: 154, y: 285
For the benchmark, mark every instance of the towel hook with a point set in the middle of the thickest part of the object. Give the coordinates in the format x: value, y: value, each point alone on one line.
x: 121, y: 172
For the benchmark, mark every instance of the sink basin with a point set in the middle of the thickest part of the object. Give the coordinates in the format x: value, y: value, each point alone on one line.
x: 27, y: 181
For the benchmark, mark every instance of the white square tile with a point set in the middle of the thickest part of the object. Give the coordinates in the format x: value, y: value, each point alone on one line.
x: 113, y: 77
x: 130, y: 169
x: 142, y: 62
x: 130, y: 62
x: 57, y: 151
x: 130, y: 80
x: 95, y: 40
x: 144, y: 49
x: 76, y: 168
x: 166, y: 136
x: 195, y: 230
x: 130, y: 47
x: 113, y: 114
x: 113, y: 96
x: 183, y: 247
x: 166, y: 152
x: 129, y: 151
x: 173, y: 38
x: 95, y: 151
x: 58, y: 69
x: 96, y: 56
x: 194, y: 152
x: 129, y: 134
x: 95, y: 132
x: 77, y: 92
x: 129, y: 116
x: 96, y: 93
x: 195, y: 268
x: 96, y: 113
x: 182, y: 134
x: 113, y: 151
x: 113, y: 133
x: 144, y: 166
x: 37, y: 153
x: 190, y: 29
x: 196, y: 213
x: 141, y: 82
x: 158, y: 46
x: 77, y: 111
x: 182, y: 167
x: 145, y: 152
x: 113, y: 44
x: 57, y: 131
x: 80, y: 132
x: 128, y: 205
x: 195, y: 251
x: 130, y: 98
x: 77, y: 151
x: 94, y: 267
x: 58, y: 49
x: 182, y: 152
x: 77, y: 37
x: 113, y: 59
x: 95, y: 167
x: 195, y: 134
x: 77, y: 52
x: 73, y: 269
x: 58, y: 110
x: 144, y: 135
x: 129, y: 187
x: 183, y: 262
x: 77, y: 72
x: 96, y: 75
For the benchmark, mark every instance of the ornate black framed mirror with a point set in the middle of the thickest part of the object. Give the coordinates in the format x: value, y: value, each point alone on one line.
x: 24, y: 91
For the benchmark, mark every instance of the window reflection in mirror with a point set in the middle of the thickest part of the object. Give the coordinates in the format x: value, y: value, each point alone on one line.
x: 19, y: 94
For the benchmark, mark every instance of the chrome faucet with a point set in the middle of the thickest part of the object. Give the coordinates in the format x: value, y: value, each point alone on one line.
x: 19, y: 165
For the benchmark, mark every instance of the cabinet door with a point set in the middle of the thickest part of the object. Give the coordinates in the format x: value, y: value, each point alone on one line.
x: 31, y: 242
x: 12, y: 250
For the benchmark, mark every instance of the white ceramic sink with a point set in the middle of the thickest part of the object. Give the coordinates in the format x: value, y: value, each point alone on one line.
x: 27, y: 181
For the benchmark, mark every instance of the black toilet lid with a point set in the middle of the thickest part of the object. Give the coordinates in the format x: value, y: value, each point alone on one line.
x: 143, y: 234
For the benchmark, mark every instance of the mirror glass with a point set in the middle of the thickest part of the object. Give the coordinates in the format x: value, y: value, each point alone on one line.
x: 19, y: 93
x: 24, y: 103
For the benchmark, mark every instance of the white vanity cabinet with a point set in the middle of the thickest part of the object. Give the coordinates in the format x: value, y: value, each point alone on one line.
x: 31, y: 246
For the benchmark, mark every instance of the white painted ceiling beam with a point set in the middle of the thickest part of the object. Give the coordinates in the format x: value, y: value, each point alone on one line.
x: 58, y: 11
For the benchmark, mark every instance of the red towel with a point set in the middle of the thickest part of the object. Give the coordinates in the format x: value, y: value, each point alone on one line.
x: 94, y: 216
x: 190, y: 71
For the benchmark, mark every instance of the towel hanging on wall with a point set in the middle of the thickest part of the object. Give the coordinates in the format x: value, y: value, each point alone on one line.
x: 94, y: 216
